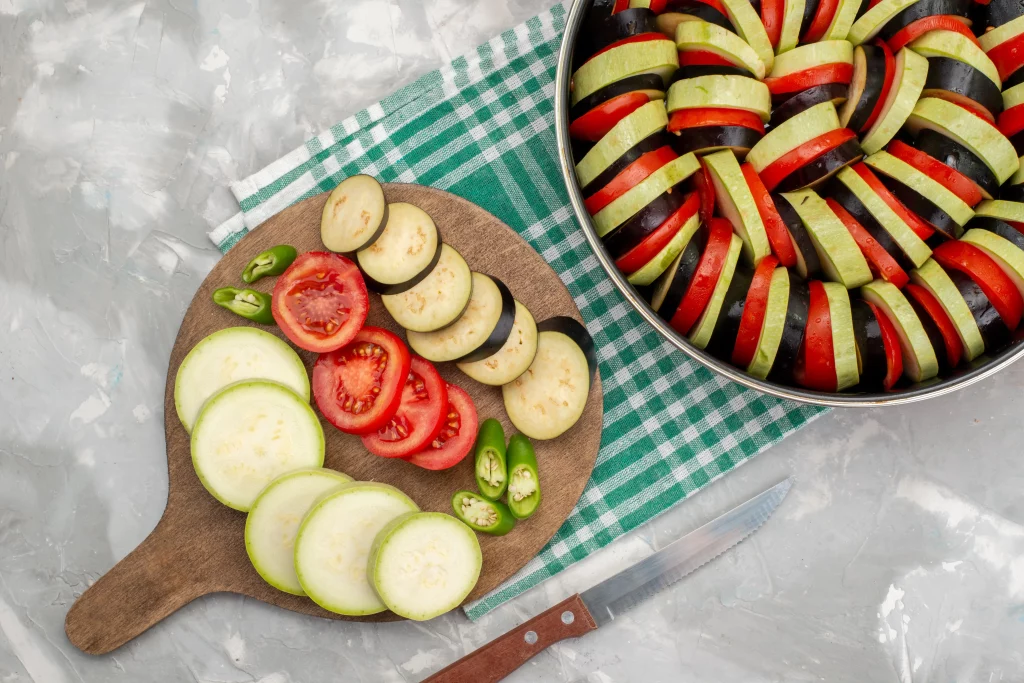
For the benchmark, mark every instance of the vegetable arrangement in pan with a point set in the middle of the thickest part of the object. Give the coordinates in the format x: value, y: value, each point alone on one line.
x: 842, y: 210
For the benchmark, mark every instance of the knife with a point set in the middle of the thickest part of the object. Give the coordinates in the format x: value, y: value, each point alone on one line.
x: 602, y: 603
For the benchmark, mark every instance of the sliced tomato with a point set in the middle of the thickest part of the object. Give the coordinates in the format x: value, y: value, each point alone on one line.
x: 593, y: 125
x: 457, y: 435
x: 771, y: 16
x: 980, y: 267
x: 950, y: 178
x: 778, y: 234
x: 358, y: 387
x: 713, y: 116
x: 823, y: 16
x: 893, y: 353
x: 840, y: 72
x: 629, y: 177
x: 705, y: 278
x: 1008, y: 55
x: 620, y: 5
x: 936, y: 22
x: 717, y: 4
x: 704, y: 58
x: 931, y: 305
x: 882, y: 263
x: 638, y: 38
x: 1019, y: 227
x: 320, y: 302
x: 634, y: 259
x: 1011, y: 121
x: 706, y: 191
x: 753, y: 312
x: 420, y: 416
x: 916, y: 223
x: 779, y: 170
x: 890, y: 75
x: 819, y: 370
x: 657, y: 6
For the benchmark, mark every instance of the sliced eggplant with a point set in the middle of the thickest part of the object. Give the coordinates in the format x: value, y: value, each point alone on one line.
x: 808, y: 265
x: 956, y: 81
x: 723, y: 337
x: 643, y: 193
x: 438, y: 300
x: 920, y: 361
x: 580, y: 148
x: 354, y: 216
x: 793, y: 333
x: 818, y: 170
x: 1012, y: 193
x: 626, y: 142
x: 633, y: 231
x: 836, y: 93
x: 702, y: 330
x: 597, y: 35
x: 696, y: 71
x: 404, y: 254
x: 998, y: 227
x: 994, y: 331
x: 668, y: 20
x: 923, y: 207
x: 922, y: 9
x: 810, y: 9
x: 1016, y: 78
x: 513, y: 358
x: 668, y: 291
x: 999, y: 12
x: 649, y: 83
x: 951, y: 153
x: 706, y: 139
x: 871, y: 356
x: 865, y: 88
x: 849, y: 201
x: 481, y: 330
x: 954, y: 45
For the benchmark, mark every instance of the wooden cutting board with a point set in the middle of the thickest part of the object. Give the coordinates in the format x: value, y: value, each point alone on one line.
x: 198, y: 548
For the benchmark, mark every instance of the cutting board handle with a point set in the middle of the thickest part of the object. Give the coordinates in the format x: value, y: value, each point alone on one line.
x: 150, y: 583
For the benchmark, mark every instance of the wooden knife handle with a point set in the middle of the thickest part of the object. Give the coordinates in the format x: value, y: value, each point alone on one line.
x: 502, y: 656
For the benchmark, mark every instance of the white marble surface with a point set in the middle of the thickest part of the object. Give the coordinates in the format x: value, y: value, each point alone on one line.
x: 899, y: 556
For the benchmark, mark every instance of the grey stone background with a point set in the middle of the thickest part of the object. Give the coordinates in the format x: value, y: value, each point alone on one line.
x: 899, y: 555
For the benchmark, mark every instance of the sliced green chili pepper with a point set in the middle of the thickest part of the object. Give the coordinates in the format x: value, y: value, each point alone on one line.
x: 248, y: 303
x: 273, y: 261
x: 481, y: 514
x: 491, y: 474
x: 523, y: 481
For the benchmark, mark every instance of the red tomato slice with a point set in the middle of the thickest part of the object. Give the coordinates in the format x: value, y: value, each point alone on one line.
x: 916, y: 223
x: 1011, y: 121
x: 753, y: 312
x: 717, y: 4
x: 937, y: 22
x: 713, y: 116
x: 1008, y: 55
x: 705, y: 278
x: 839, y: 72
x: 931, y: 305
x: 881, y: 262
x: 778, y: 234
x: 779, y: 170
x: 771, y: 17
x: 620, y: 5
x: 629, y: 177
x: 704, y: 58
x: 890, y: 74
x: 893, y: 353
x: 638, y: 38
x: 980, y: 267
x: 593, y: 125
x: 706, y: 191
x: 320, y: 302
x: 819, y: 356
x: 634, y: 259
x: 420, y: 416
x: 658, y: 6
x: 823, y: 16
x: 457, y: 435
x: 950, y: 178
x: 358, y: 387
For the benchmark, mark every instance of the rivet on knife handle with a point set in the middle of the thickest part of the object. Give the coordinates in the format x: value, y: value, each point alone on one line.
x: 500, y: 657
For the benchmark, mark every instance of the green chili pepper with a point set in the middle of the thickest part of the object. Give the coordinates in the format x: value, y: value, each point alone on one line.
x: 523, y: 481
x: 481, y: 514
x: 248, y: 303
x: 491, y: 474
x: 273, y: 261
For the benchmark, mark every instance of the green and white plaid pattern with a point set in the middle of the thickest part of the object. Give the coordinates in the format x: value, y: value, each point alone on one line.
x: 483, y: 128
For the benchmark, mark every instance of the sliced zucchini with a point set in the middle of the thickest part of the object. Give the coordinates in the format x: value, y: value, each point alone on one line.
x: 792, y: 19
x: 639, y: 196
x: 1001, y: 34
x: 1013, y: 96
x: 232, y: 355
x: 797, y: 310
x: 480, y: 331
x: 727, y: 326
x: 624, y: 135
x: 248, y: 434
x: 908, y: 82
x: 736, y: 203
x: 804, y: 127
x: 1005, y: 253
x: 812, y: 55
x: 438, y: 300
x: 773, y: 326
x: 653, y: 269
x: 332, y: 548
x: 934, y: 278
x: 355, y: 214
x: 844, y: 346
x: 549, y: 398
x: 841, y: 258
x: 512, y: 359
x: 424, y: 564
x: 1001, y: 209
x: 980, y: 137
x: 919, y: 360
x: 951, y: 210
x: 953, y: 45
x: 273, y: 522
x: 836, y: 93
x: 705, y: 326
x: 748, y: 24
x: 728, y: 92
x: 647, y: 57
x: 405, y: 252
x: 700, y: 35
x: 842, y: 20
x: 872, y: 21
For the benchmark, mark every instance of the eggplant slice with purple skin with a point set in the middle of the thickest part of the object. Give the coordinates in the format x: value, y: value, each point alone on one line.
x: 573, y: 329
x: 631, y: 233
x: 922, y: 9
x: 648, y: 144
x: 925, y: 208
x: 865, y: 88
x: 810, y: 9
x: 808, y: 263
x: 792, y: 342
x: 994, y: 331
x: 835, y: 93
x: 668, y: 290
x: 397, y: 288
x: 820, y: 169
x: 723, y: 337
x: 935, y: 338
x: 1016, y: 78
x: 700, y: 10
x: 953, y: 80
x: 849, y: 201
x: 644, y: 82
x: 706, y: 139
x: 956, y: 156
x: 597, y: 35
x: 867, y: 333
x: 1012, y: 193
x: 999, y: 12
x: 1001, y: 228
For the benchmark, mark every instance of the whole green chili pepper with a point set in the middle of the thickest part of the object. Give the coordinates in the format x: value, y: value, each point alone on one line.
x: 523, y: 480
x: 481, y: 514
x: 491, y: 474
x: 248, y: 303
x: 273, y: 261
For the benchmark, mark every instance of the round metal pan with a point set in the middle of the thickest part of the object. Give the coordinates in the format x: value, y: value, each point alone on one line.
x: 965, y: 375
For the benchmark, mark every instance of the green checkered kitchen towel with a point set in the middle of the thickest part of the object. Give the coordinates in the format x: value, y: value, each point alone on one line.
x: 483, y: 128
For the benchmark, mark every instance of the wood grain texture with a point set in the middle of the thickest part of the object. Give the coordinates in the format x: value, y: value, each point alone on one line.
x: 198, y: 547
